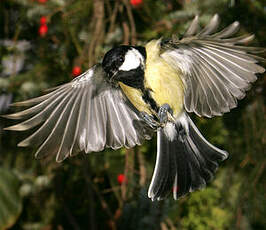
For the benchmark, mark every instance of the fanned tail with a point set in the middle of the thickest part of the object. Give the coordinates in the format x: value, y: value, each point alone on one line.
x: 185, y: 161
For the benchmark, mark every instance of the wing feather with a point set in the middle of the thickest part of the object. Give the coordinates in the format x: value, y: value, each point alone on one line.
x: 36, y: 114
x: 80, y: 120
x: 216, y: 68
x: 193, y: 28
x: 221, y: 95
x: 210, y: 96
x: 44, y: 130
x: 52, y: 142
x: 87, y: 114
x: 211, y: 27
x: 68, y: 135
x: 228, y: 31
x: 37, y: 100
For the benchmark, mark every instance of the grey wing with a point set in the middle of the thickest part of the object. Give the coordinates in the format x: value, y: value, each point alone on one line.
x: 86, y: 114
x: 216, y: 68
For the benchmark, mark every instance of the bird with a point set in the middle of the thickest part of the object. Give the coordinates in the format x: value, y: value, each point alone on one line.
x: 137, y: 92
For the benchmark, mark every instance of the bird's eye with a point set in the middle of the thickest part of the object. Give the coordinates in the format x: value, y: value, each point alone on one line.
x: 121, y: 59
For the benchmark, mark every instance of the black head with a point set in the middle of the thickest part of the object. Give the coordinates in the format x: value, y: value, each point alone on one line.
x: 125, y: 64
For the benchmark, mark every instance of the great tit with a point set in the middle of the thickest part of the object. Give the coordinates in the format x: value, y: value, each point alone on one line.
x: 139, y: 90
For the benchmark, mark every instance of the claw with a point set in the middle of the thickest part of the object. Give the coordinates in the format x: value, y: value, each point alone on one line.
x: 150, y: 120
x: 165, y: 114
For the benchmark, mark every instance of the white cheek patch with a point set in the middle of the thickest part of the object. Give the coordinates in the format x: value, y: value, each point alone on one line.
x: 133, y: 59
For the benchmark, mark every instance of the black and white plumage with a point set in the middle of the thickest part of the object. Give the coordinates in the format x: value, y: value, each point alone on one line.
x: 137, y: 91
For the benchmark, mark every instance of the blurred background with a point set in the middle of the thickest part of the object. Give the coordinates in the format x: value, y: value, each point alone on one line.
x: 44, y: 43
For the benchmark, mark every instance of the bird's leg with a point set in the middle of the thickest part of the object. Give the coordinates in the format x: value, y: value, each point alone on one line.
x: 150, y: 120
x: 165, y: 114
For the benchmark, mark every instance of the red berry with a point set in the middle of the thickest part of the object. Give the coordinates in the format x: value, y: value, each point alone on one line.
x: 135, y: 2
x: 76, y: 71
x: 43, y: 20
x: 42, y: 1
x: 121, y: 178
x: 43, y: 30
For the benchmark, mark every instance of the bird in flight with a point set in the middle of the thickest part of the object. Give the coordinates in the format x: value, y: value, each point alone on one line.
x: 139, y: 91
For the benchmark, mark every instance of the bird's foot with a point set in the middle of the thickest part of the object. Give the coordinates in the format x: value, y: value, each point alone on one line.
x: 165, y: 114
x: 150, y: 120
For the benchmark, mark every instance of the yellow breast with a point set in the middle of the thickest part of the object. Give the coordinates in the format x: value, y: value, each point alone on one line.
x: 164, y: 81
x: 135, y: 97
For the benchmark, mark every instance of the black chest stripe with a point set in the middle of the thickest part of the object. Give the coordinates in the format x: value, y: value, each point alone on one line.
x: 146, y: 96
x: 133, y: 78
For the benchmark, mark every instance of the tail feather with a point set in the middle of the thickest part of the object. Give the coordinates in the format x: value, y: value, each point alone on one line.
x: 185, y: 161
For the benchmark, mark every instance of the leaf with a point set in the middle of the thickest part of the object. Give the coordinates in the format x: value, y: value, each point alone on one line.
x: 10, y: 200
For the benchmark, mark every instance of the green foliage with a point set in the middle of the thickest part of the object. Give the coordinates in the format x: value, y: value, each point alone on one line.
x: 10, y: 200
x: 205, y: 212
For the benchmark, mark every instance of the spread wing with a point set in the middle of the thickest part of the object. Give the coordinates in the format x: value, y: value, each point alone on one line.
x: 216, y: 68
x: 86, y: 114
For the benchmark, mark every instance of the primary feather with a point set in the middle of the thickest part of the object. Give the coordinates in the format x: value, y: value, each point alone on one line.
x: 86, y: 114
x: 216, y: 71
